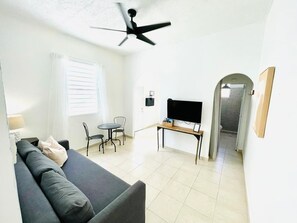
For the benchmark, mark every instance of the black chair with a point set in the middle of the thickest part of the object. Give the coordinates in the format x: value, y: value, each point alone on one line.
x: 122, y: 121
x: 98, y: 136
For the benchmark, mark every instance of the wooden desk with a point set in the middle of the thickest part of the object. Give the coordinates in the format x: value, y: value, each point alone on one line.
x: 198, y: 136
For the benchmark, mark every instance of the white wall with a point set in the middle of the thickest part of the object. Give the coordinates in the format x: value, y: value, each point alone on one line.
x: 270, y: 162
x: 25, y: 48
x: 145, y: 116
x: 191, y: 70
x: 10, y: 210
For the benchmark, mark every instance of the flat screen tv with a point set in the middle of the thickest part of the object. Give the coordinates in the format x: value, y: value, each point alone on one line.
x: 189, y: 111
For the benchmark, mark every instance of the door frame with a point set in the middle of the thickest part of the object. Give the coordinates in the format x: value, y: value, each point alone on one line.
x: 236, y: 78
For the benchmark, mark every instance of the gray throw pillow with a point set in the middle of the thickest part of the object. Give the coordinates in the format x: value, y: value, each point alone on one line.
x: 39, y: 164
x: 24, y: 148
x: 70, y: 204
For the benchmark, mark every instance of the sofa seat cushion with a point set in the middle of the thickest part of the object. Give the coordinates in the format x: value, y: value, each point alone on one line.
x: 99, y: 185
x: 24, y: 148
x: 35, y: 207
x: 39, y: 164
x: 68, y: 201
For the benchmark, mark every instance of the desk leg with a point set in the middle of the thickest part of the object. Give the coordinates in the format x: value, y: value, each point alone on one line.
x: 162, y: 138
x: 201, y: 137
x: 197, y: 152
x: 198, y: 149
x: 158, y: 137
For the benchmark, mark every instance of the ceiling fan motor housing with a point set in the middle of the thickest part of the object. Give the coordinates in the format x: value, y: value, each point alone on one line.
x: 132, y: 13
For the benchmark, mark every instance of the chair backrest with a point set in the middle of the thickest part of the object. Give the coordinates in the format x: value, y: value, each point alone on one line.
x: 120, y: 120
x: 86, y: 129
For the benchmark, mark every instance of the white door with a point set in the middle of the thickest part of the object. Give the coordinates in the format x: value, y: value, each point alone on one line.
x: 138, y: 109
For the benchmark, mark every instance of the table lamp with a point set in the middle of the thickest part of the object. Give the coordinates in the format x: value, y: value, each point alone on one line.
x: 15, y: 123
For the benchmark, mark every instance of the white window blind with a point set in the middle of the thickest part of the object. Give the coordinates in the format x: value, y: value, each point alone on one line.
x: 82, y: 88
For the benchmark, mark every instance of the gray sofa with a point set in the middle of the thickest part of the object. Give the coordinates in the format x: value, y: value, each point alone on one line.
x: 98, y: 195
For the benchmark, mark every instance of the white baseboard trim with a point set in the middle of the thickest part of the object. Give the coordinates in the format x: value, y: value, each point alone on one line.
x: 204, y: 158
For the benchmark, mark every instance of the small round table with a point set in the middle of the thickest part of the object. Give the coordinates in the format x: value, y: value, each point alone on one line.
x: 110, y: 127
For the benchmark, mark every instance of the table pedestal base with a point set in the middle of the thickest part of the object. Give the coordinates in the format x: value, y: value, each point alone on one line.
x: 111, y: 140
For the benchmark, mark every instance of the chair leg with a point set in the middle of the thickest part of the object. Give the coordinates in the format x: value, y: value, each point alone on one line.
x: 124, y: 137
x: 88, y: 148
x: 102, y: 145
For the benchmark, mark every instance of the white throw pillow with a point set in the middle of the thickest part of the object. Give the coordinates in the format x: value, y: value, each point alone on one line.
x: 53, y: 150
x: 43, y: 144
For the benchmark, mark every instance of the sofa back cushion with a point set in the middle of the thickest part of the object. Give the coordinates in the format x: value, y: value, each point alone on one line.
x: 70, y: 204
x: 24, y: 148
x: 99, y: 185
x: 39, y: 164
x: 35, y: 207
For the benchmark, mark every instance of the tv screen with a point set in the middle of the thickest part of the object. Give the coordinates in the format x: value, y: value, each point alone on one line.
x: 189, y: 111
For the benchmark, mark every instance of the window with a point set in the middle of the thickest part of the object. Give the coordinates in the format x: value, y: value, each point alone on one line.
x: 82, y: 88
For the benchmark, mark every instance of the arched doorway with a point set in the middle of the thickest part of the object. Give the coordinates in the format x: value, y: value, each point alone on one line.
x: 247, y: 85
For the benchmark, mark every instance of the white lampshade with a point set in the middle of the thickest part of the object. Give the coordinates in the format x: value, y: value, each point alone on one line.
x: 16, y: 122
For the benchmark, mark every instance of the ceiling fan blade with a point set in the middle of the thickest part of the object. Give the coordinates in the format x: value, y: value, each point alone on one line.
x: 124, y: 40
x: 117, y: 30
x: 145, y: 39
x: 125, y: 16
x: 144, y: 29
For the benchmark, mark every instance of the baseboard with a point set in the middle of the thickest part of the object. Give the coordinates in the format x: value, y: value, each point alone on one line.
x: 204, y: 158
x: 147, y: 127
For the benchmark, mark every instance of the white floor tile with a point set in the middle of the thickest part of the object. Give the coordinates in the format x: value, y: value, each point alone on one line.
x: 166, y: 170
x: 211, y: 176
x: 189, y: 215
x: 158, y: 181
x: 184, y: 177
x: 151, y: 194
x: 150, y: 217
x: 166, y: 207
x: 225, y: 214
x: 206, y: 187
x: 201, y: 203
x: 177, y: 190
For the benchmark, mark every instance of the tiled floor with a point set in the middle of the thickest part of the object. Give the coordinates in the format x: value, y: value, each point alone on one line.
x: 177, y: 190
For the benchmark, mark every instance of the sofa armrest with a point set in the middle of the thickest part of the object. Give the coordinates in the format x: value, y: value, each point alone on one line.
x: 128, y: 207
x: 64, y: 143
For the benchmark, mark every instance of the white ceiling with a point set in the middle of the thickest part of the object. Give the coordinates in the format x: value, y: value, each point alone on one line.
x: 189, y: 18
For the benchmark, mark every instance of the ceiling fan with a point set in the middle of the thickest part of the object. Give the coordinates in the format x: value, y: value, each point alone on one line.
x: 132, y: 29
